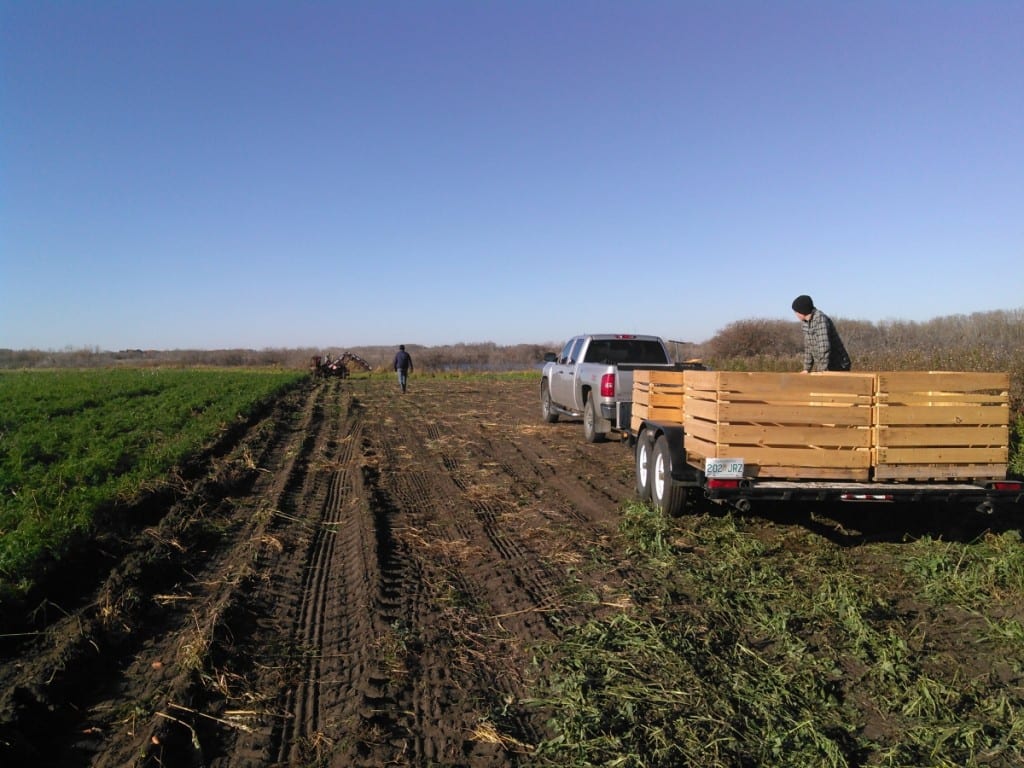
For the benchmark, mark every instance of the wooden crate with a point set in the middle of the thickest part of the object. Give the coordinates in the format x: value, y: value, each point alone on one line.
x: 657, y: 395
x: 783, y: 425
x: 932, y: 425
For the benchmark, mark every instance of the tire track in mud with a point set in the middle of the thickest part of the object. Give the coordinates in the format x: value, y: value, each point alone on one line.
x: 525, y: 468
x: 441, y: 568
x: 323, y: 599
x: 131, y: 638
x: 464, y: 494
x: 191, y: 733
x: 376, y: 601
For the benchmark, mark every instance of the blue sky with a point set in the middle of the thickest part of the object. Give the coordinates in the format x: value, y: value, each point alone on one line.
x: 336, y: 174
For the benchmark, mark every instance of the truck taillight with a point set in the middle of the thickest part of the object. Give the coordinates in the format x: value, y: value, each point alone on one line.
x: 1007, y: 485
x: 716, y: 482
x: 608, y: 385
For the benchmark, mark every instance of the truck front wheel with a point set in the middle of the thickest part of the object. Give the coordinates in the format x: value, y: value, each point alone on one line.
x: 590, y: 422
x: 644, y: 465
x: 547, y: 411
x: 667, y: 495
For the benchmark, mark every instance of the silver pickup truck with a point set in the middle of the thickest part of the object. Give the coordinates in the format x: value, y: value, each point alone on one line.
x: 592, y: 378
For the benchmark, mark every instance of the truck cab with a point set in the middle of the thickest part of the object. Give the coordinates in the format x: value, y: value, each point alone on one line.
x: 592, y: 379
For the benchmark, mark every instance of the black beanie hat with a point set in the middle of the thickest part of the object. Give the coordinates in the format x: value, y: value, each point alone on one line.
x: 803, y: 304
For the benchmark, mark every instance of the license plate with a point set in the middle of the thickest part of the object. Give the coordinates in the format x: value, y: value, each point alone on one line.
x: 723, y: 468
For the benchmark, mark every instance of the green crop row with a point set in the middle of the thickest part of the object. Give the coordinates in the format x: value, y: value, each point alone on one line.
x: 75, y: 442
x: 746, y: 649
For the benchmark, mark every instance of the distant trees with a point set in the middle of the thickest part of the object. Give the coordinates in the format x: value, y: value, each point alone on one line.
x: 980, y: 341
x: 757, y: 338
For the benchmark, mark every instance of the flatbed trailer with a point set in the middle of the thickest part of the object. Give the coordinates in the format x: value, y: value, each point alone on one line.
x: 900, y: 437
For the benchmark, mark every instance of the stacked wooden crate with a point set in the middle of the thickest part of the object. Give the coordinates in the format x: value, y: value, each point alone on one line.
x: 657, y: 395
x: 783, y: 425
x: 907, y: 425
x: 941, y: 425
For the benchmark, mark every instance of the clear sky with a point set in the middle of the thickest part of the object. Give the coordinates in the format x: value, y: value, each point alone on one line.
x: 206, y: 175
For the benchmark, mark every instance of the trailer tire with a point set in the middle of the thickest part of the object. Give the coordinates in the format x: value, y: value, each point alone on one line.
x: 590, y: 422
x: 547, y: 410
x: 668, y: 495
x: 644, y: 465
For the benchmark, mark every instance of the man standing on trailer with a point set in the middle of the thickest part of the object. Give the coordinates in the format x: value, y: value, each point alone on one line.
x: 823, y: 349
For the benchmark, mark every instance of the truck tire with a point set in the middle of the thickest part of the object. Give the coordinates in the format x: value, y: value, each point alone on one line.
x: 668, y: 495
x: 590, y: 422
x: 644, y: 465
x: 547, y: 411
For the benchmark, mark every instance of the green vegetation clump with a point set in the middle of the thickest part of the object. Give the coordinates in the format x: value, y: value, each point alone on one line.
x: 748, y: 649
x: 75, y: 442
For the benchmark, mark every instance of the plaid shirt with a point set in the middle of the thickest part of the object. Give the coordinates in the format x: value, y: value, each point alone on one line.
x: 820, y: 337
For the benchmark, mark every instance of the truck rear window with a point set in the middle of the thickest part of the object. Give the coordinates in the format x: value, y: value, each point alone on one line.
x: 645, y: 352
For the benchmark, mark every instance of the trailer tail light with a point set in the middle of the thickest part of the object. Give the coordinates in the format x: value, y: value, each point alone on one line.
x: 608, y: 385
x: 715, y: 482
x: 1007, y: 485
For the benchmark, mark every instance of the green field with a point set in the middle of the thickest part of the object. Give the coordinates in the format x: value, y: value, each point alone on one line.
x: 768, y: 646
x: 73, y: 443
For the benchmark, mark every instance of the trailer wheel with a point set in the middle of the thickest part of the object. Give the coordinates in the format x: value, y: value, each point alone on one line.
x: 590, y: 422
x: 668, y: 495
x: 644, y: 465
x: 547, y: 412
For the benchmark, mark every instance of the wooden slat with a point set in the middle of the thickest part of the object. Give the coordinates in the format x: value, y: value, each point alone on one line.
x: 701, y: 380
x: 923, y: 381
x: 666, y: 399
x: 792, y: 457
x: 926, y: 472
x: 941, y: 398
x: 797, y: 435
x: 674, y: 378
x: 940, y: 415
x: 943, y: 455
x: 779, y: 385
x: 802, y: 457
x: 667, y: 415
x: 701, y: 430
x: 699, y: 448
x: 929, y: 436
x: 702, y: 409
x: 861, y: 474
x: 793, y: 414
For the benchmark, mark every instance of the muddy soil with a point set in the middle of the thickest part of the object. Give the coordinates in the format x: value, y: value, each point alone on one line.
x: 355, y: 578
x: 358, y: 580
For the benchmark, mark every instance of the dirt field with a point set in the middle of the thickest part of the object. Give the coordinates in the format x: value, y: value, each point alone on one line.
x: 360, y: 579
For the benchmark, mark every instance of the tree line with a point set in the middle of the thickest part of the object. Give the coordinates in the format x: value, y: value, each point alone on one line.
x: 980, y: 341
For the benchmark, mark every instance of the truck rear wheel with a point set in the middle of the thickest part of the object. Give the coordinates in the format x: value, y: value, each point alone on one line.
x: 547, y: 412
x: 667, y: 495
x: 644, y: 465
x: 590, y: 423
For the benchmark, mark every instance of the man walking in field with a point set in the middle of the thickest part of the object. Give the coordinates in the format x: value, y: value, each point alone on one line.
x: 403, y: 365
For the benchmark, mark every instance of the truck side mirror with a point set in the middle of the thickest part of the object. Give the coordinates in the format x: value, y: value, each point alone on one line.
x: 550, y: 357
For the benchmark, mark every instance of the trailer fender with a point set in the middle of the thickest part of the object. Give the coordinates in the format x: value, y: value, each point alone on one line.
x: 674, y: 435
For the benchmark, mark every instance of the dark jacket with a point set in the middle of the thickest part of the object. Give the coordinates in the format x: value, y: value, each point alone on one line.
x: 823, y: 349
x: 403, y: 361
